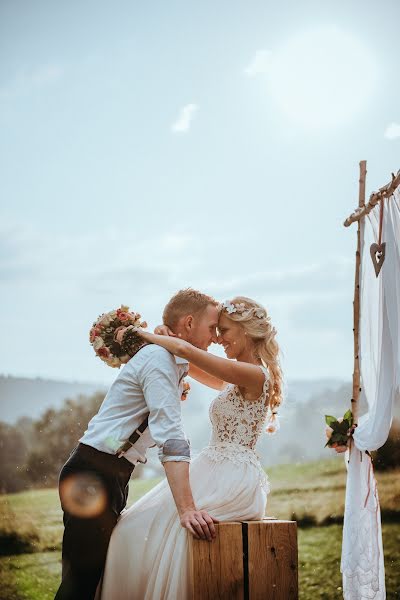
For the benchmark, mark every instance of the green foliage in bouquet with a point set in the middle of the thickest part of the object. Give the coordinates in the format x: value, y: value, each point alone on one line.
x: 339, y: 431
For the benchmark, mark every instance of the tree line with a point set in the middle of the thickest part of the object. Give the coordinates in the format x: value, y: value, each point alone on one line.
x: 33, y: 451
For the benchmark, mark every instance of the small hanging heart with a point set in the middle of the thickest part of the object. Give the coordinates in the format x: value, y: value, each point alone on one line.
x: 378, y: 256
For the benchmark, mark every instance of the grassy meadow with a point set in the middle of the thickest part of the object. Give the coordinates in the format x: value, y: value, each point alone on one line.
x: 312, y: 493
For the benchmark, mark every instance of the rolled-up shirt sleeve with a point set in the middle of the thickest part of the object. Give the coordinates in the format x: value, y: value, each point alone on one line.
x: 158, y: 377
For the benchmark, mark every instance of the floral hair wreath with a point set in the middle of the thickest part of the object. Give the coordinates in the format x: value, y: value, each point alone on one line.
x: 241, y: 309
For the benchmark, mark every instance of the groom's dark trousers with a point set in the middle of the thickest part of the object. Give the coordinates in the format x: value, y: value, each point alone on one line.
x: 89, y: 478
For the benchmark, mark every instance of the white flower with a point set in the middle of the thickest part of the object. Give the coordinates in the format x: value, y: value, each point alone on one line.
x: 98, y: 343
x: 113, y: 362
x: 240, y: 307
x: 271, y: 428
x: 259, y: 312
x: 229, y: 307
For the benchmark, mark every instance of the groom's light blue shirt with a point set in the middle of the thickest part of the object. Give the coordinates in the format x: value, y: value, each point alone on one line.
x: 149, y: 384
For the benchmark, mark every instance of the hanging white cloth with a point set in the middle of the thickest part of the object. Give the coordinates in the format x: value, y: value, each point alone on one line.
x: 362, y: 562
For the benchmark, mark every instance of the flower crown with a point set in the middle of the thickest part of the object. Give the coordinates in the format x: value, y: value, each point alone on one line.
x: 241, y: 309
x: 245, y: 311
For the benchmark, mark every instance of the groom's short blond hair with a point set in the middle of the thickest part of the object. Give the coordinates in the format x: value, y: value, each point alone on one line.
x: 186, y: 302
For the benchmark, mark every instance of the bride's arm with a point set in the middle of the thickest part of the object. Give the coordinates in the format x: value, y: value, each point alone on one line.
x: 239, y: 373
x: 205, y: 378
x: 198, y: 374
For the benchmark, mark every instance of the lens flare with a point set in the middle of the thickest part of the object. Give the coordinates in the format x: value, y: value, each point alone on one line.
x: 83, y: 495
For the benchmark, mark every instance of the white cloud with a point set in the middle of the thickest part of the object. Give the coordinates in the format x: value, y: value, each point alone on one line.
x: 25, y: 256
x: 322, y: 278
x: 260, y: 63
x: 392, y: 131
x: 25, y: 80
x: 185, y: 118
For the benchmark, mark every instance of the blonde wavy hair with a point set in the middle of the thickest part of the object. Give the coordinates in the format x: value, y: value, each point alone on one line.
x: 255, y: 321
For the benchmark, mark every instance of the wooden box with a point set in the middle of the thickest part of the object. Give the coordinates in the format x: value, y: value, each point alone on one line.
x: 252, y: 560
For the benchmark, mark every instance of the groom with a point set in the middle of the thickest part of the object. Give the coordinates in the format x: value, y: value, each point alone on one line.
x: 141, y: 409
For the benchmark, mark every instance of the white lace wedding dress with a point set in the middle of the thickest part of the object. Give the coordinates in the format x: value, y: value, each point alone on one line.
x: 147, y: 556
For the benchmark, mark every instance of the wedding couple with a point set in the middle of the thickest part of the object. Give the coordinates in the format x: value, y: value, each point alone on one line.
x: 143, y: 556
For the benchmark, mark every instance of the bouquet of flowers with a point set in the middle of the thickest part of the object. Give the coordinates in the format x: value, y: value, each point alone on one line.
x: 339, y: 431
x: 113, y: 336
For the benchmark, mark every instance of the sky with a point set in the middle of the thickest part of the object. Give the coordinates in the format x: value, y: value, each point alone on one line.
x: 148, y: 147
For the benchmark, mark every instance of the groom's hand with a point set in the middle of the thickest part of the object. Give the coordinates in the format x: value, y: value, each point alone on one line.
x: 200, y: 524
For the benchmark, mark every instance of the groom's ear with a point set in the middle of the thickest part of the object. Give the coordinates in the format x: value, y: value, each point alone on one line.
x: 188, y: 322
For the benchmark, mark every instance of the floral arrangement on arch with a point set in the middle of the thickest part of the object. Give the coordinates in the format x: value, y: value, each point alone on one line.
x: 113, y: 336
x: 339, y: 431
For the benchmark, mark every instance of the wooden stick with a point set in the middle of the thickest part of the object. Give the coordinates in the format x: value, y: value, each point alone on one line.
x: 356, y: 303
x: 384, y: 192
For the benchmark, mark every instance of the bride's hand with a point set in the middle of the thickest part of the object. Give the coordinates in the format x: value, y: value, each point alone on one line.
x: 164, y: 330
x: 145, y: 335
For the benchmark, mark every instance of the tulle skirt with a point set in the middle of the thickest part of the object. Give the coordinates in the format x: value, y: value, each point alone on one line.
x: 147, y: 558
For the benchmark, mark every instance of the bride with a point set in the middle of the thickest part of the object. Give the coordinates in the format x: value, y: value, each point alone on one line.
x: 147, y: 555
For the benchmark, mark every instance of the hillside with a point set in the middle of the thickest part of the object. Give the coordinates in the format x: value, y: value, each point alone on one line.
x: 20, y: 397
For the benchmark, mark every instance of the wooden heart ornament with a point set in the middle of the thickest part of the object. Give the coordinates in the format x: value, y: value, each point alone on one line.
x: 378, y: 256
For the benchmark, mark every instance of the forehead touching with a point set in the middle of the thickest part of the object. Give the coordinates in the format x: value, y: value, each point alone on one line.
x: 210, y: 314
x: 224, y: 322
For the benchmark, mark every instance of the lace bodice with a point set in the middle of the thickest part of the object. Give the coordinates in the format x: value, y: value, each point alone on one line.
x: 238, y: 421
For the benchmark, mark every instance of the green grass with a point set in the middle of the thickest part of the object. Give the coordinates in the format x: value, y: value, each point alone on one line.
x: 313, y: 492
x: 30, y: 576
x: 36, y: 576
x: 35, y: 517
x: 319, y: 562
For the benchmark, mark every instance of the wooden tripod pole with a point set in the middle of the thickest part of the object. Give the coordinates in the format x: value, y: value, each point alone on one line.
x: 356, y: 303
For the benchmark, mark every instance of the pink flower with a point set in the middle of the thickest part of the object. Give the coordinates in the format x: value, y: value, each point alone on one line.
x: 185, y: 390
x: 123, y: 315
x: 119, y: 333
x: 104, y: 352
x: 339, y: 447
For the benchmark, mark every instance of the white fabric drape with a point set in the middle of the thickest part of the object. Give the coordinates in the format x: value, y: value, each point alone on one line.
x: 362, y: 562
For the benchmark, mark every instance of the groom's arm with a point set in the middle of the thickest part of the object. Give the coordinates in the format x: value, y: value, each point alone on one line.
x: 198, y: 522
x: 159, y: 381
x: 158, y: 378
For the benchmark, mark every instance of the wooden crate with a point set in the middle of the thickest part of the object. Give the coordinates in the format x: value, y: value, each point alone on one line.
x: 253, y: 560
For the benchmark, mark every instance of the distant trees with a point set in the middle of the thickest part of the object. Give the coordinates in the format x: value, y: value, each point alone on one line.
x: 13, y: 452
x: 388, y: 456
x: 33, y: 452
